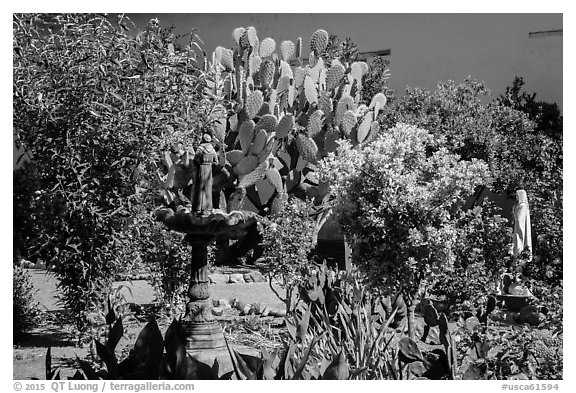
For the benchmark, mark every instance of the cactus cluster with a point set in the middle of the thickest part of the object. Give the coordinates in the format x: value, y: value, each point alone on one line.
x: 283, y: 114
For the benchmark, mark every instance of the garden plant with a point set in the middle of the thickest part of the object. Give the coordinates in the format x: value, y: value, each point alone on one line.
x: 109, y: 122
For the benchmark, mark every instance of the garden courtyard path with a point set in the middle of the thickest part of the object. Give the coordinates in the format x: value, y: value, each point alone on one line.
x: 29, y: 356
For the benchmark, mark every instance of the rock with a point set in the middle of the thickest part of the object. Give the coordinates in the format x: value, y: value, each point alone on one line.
x: 219, y: 278
x: 247, y: 277
x: 223, y: 303
x: 218, y: 311
x: 236, y: 278
x: 277, y: 313
x: 264, y: 311
x: 39, y: 265
x: 240, y: 305
x: 257, y: 276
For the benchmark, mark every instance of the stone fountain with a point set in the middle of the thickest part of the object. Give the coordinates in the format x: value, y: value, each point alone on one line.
x: 201, y: 224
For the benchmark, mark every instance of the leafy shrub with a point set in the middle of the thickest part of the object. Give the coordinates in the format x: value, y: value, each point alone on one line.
x: 25, y: 309
x: 544, y: 182
x: 394, y: 200
x: 481, y: 255
x: 93, y: 108
x: 518, y: 352
x: 168, y: 258
x: 519, y: 138
x: 286, y: 244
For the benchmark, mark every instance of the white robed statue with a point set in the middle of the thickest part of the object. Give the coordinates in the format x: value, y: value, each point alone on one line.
x: 522, y: 236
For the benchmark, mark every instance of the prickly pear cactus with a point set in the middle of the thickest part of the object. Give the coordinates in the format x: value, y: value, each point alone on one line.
x: 284, y: 114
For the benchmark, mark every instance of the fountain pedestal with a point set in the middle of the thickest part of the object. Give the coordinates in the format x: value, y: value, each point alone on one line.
x: 202, y: 330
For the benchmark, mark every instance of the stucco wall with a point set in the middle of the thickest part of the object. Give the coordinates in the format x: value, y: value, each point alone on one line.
x: 426, y: 48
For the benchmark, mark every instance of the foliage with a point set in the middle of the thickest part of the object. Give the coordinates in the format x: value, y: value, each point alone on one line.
x: 286, y: 245
x: 519, y: 139
x: 376, y: 81
x: 167, y: 257
x: 24, y: 187
x: 515, y: 352
x: 472, y: 129
x: 356, y: 321
x: 25, y: 311
x: 345, y: 51
x: 546, y: 116
x: 394, y: 201
x: 481, y: 255
x: 544, y: 181
x: 93, y: 106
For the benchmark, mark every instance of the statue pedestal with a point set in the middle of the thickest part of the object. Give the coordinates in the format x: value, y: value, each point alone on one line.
x: 202, y: 330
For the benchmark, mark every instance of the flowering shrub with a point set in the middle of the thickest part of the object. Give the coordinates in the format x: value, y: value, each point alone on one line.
x: 286, y: 243
x: 519, y: 138
x: 394, y: 199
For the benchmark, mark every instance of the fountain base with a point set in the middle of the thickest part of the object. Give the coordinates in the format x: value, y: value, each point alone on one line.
x: 203, y: 335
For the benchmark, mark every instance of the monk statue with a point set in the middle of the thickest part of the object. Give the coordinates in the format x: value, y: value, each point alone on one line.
x: 204, y: 158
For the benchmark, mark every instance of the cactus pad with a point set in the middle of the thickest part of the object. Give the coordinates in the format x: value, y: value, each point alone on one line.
x: 291, y: 95
x: 325, y: 102
x: 348, y: 122
x: 258, y: 143
x: 283, y: 84
x: 254, y: 63
x: 253, y: 176
x: 234, y: 157
x: 246, y: 165
x: 345, y: 103
x: 267, y: 47
x: 364, y: 127
x: 253, y: 103
x: 267, y: 70
x: 285, y: 69
x: 319, y: 41
x: 298, y: 49
x: 252, y: 36
x: 312, y: 60
x: 314, y: 125
x: 267, y: 123
x: 285, y: 126
x: 356, y: 71
x: 334, y: 75
x: 227, y: 59
x: 315, y: 71
x: 237, y: 34
x: 307, y: 147
x: 246, y: 135
x: 299, y: 75
x: 310, y: 90
x: 275, y: 179
x: 287, y: 50
x: 272, y: 100
x: 218, y: 54
x: 270, y: 145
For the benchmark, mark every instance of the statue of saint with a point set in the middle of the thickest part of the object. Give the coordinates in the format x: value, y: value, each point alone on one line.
x: 522, y: 232
x: 204, y: 158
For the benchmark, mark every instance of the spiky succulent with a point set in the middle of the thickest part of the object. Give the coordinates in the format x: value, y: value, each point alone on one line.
x: 319, y: 41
